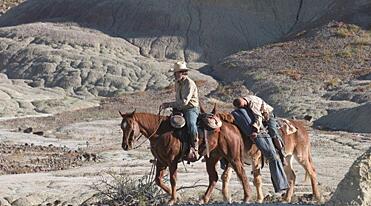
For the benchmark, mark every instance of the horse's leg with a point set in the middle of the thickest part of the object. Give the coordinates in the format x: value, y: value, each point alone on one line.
x: 173, y: 175
x: 257, y: 179
x: 306, y: 162
x: 213, y: 177
x: 226, y: 176
x: 238, y: 167
x: 160, y: 171
x: 291, y: 177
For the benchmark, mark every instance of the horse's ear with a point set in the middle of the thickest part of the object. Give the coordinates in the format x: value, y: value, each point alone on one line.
x: 202, y: 110
x: 132, y: 114
x: 214, y: 109
x: 122, y: 115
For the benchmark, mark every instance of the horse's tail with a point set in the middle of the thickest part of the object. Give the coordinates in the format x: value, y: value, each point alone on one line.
x: 262, y: 159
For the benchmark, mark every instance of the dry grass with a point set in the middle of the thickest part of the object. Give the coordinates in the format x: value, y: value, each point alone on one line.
x: 333, y: 83
x: 200, y: 82
x: 120, y: 189
x: 292, y: 73
x: 346, y: 53
x: 364, y: 39
x: 347, y: 30
x: 361, y: 72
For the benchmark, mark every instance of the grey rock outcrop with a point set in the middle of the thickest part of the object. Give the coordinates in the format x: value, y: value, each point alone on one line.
x: 194, y: 30
x: 82, y: 61
x: 355, y: 119
x: 17, y: 98
x: 355, y: 188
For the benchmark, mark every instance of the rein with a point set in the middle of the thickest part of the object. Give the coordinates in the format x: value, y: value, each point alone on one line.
x: 159, y: 118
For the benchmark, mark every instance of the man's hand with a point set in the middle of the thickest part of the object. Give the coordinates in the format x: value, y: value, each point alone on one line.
x: 253, y: 136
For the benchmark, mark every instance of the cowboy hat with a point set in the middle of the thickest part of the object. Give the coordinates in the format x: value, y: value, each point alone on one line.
x: 179, y: 67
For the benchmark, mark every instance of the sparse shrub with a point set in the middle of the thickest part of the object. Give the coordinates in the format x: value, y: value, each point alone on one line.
x: 347, y: 30
x: 327, y: 55
x: 121, y: 189
x: 292, y: 73
x: 346, y: 53
x: 227, y: 92
x: 231, y: 65
x: 361, y: 72
x: 359, y: 89
x: 170, y: 88
x: 364, y: 41
x: 200, y: 82
x: 333, y: 83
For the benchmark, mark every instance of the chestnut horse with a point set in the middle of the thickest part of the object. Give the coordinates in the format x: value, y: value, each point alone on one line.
x: 227, y: 142
x: 296, y: 145
x: 165, y: 146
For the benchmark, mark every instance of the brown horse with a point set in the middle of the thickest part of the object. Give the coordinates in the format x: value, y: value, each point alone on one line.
x: 296, y: 145
x: 165, y: 146
x: 226, y: 142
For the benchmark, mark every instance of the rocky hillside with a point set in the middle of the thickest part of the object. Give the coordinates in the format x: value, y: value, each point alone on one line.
x: 82, y: 61
x: 109, y: 48
x: 322, y: 69
x: 194, y: 30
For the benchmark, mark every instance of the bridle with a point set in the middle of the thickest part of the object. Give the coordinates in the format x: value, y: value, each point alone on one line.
x: 149, y: 137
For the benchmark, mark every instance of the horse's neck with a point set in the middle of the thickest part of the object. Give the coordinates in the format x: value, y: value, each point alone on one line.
x: 149, y: 123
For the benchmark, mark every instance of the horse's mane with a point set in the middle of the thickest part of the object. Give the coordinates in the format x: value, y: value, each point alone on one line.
x: 227, y: 117
x: 149, y: 117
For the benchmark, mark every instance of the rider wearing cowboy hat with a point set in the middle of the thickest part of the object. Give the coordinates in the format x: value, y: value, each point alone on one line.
x: 186, y: 101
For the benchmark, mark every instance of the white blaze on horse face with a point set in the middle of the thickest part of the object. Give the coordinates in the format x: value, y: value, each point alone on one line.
x: 124, y: 125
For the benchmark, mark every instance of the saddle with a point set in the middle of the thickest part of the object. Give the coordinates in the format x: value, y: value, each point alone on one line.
x: 177, y: 120
x: 211, y: 122
x: 286, y: 126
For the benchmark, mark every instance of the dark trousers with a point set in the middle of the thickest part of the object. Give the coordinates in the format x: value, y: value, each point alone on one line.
x: 273, y: 128
x: 191, y: 116
x: 278, y: 176
x: 244, y: 119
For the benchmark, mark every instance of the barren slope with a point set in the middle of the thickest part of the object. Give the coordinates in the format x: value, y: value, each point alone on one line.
x: 324, y: 69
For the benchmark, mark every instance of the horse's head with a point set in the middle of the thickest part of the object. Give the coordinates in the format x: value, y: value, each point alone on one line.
x: 210, y: 123
x: 210, y: 120
x: 130, y: 130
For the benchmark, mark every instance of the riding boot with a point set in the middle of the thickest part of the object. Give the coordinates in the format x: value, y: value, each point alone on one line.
x: 193, y: 155
x: 281, y: 150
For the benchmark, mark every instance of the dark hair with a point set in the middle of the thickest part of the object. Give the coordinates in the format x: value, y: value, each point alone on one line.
x: 237, y: 102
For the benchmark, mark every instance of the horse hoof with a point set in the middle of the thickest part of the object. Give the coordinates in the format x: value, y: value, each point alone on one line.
x: 260, y: 201
x: 229, y: 200
x: 171, y: 202
x: 203, y: 200
x: 320, y: 200
x: 285, y: 200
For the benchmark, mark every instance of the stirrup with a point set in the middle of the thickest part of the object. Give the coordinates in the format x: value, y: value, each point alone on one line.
x: 192, y: 156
